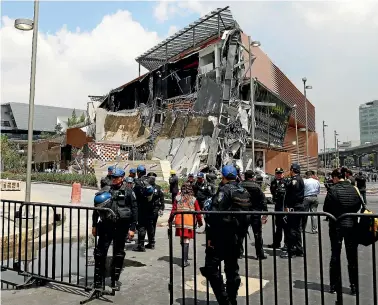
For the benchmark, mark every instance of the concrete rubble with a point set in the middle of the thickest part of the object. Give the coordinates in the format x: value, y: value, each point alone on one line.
x: 193, y: 108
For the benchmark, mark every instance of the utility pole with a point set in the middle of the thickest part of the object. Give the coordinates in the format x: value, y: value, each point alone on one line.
x: 336, y: 149
x: 296, y: 132
x: 324, y: 146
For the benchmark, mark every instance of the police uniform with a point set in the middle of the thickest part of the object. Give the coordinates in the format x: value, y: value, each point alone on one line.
x: 294, y: 203
x: 278, y: 191
x: 122, y: 202
x: 258, y: 203
x: 202, y: 190
x: 156, y: 207
x: 224, y: 233
x: 145, y: 211
x: 106, y: 181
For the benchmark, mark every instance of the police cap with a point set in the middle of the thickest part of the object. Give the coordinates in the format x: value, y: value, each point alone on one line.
x: 296, y: 168
x: 129, y: 180
x: 249, y: 174
x: 279, y: 170
x: 151, y: 175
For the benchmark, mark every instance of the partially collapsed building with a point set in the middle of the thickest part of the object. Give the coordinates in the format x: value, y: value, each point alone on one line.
x: 192, y: 106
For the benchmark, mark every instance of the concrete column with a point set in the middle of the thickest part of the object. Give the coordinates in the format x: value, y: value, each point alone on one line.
x: 375, y: 160
x: 355, y: 158
x: 217, y: 64
x: 359, y: 161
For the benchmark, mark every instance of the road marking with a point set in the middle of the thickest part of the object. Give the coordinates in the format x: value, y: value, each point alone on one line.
x: 253, y: 285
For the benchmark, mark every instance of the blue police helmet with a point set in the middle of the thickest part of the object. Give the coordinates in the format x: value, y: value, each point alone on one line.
x: 141, y: 168
x: 110, y: 168
x: 200, y: 175
x: 129, y: 180
x: 102, y: 199
x: 229, y: 172
x: 132, y: 171
x: 118, y: 173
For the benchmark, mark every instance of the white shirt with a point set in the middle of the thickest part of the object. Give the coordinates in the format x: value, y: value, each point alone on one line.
x: 312, y: 187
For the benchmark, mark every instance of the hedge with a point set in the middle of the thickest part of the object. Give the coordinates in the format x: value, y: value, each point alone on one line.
x: 84, y: 180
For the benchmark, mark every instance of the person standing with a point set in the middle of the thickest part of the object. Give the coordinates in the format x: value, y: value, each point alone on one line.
x: 106, y: 181
x: 224, y: 234
x: 343, y: 198
x: 185, y: 223
x: 173, y: 185
x: 311, y: 192
x: 278, y: 191
x: 122, y: 201
x: 157, y: 207
x: 202, y: 190
x: 258, y: 203
x: 294, y: 203
x: 361, y: 185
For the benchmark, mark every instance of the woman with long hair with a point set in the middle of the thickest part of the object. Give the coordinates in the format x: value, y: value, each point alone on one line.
x: 185, y: 223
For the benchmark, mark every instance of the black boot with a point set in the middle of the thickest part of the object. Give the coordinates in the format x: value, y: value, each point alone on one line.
x: 218, y: 287
x: 150, y: 246
x: 353, y: 279
x: 99, y: 272
x: 140, y: 248
x: 116, y: 271
x: 186, y: 255
x: 232, y: 291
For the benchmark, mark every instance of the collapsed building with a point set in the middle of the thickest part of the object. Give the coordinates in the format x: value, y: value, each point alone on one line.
x: 192, y: 107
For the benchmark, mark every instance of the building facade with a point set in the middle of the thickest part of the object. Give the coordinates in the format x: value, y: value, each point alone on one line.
x: 369, y: 122
x: 14, y: 119
x: 192, y: 107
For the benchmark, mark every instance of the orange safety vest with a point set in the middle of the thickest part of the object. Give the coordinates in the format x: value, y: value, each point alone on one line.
x: 182, y: 206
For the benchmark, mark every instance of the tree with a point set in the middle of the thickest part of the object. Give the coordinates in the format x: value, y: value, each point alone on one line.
x: 12, y: 160
x: 82, y: 118
x: 73, y: 120
x: 58, y: 129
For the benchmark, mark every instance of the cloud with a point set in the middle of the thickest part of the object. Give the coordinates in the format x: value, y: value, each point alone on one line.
x: 331, y: 43
x: 172, y: 30
x: 72, y: 65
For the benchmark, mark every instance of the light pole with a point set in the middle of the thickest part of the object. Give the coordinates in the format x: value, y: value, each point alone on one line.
x: 336, y: 161
x: 252, y: 97
x: 27, y: 25
x: 296, y: 131
x: 324, y: 145
x: 304, y: 79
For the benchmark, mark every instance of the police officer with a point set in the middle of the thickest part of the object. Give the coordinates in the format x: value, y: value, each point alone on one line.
x: 143, y: 191
x: 202, y: 190
x: 173, y: 185
x: 278, y: 191
x: 132, y: 173
x: 258, y: 203
x: 157, y: 207
x: 191, y: 179
x: 123, y: 203
x: 106, y: 181
x: 294, y: 203
x: 224, y: 233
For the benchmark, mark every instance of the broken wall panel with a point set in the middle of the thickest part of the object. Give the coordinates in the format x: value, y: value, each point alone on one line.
x: 209, y: 97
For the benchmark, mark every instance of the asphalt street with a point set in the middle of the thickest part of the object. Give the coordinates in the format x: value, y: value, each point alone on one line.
x: 145, y: 277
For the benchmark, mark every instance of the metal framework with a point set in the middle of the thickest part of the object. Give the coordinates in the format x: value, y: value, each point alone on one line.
x: 204, y: 28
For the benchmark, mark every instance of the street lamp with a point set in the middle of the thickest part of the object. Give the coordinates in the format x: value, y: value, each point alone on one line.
x: 304, y: 79
x: 27, y: 25
x: 252, y: 97
x: 296, y: 131
x: 336, y: 148
x: 324, y: 145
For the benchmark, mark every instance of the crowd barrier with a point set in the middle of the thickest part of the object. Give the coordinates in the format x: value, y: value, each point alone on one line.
x: 53, y: 243
x: 278, y: 281
x: 47, y: 243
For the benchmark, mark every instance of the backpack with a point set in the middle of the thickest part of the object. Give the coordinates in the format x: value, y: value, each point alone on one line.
x: 368, y: 229
x: 145, y: 190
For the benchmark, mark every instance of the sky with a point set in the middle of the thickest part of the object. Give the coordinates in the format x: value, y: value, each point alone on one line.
x: 88, y: 48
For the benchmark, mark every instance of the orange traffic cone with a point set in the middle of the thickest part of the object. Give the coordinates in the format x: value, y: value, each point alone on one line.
x: 76, y: 193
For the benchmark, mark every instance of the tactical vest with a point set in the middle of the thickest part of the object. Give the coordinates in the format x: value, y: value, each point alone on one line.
x: 119, y: 206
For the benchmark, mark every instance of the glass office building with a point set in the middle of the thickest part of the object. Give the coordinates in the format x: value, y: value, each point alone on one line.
x: 369, y: 122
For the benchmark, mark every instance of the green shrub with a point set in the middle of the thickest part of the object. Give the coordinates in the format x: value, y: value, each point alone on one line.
x: 84, y: 180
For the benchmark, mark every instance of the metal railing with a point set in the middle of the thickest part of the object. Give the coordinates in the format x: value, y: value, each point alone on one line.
x: 48, y: 243
x: 296, y: 280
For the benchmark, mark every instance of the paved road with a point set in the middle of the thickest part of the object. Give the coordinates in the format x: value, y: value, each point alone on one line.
x: 146, y: 275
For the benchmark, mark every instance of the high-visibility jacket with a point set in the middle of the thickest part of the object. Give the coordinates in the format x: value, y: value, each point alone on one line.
x: 184, y: 204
